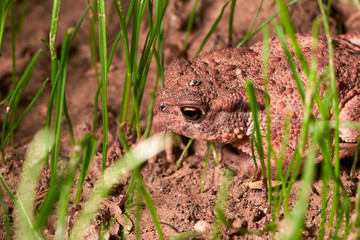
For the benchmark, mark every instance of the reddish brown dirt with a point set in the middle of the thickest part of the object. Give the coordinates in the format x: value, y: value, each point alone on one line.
x: 177, y: 197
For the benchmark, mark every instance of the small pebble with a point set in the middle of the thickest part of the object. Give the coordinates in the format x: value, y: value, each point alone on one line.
x: 201, y: 226
x: 237, y: 223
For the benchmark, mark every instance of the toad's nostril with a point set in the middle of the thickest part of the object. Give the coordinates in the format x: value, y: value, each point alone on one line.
x: 162, y: 107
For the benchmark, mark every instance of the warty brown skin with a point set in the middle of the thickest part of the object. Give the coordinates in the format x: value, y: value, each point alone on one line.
x: 206, y: 99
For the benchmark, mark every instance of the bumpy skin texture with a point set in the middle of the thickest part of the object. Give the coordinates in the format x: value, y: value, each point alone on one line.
x: 206, y: 99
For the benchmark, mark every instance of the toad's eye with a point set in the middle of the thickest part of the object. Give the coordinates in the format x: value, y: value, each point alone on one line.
x: 191, y: 113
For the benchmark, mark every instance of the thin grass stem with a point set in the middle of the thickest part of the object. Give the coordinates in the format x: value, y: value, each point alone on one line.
x: 212, y: 29
x: 181, y: 158
x: 189, y: 25
x: 231, y: 20
x: 336, y: 112
x: 205, y: 167
x: 104, y: 75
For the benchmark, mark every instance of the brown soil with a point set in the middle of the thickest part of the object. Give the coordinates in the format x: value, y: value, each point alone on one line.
x: 177, y: 194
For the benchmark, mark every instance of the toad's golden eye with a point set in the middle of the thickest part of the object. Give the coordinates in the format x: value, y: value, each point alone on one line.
x: 191, y: 113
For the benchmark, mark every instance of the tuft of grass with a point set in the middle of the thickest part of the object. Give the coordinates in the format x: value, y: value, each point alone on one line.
x: 58, y: 82
x: 221, y: 202
x: 296, y: 220
x: 30, y: 225
x: 136, y: 71
x: 112, y: 175
x: 14, y: 98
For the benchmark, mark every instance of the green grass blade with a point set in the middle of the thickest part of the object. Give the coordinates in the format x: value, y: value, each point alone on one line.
x: 57, y: 74
x: 24, y: 79
x: 96, y: 108
x: 266, y: 51
x: 205, y: 167
x: 111, y: 176
x: 6, y: 216
x: 356, y: 155
x: 69, y: 123
x: 324, y: 204
x: 160, y: 75
x: 112, y: 52
x: 251, y: 34
x: 159, y: 56
x: 6, y: 98
x: 255, y: 118
x: 231, y: 19
x: 29, y: 178
x: 89, y: 152
x: 212, y: 29
x: 150, y: 114
x: 215, y: 154
x: 58, y: 80
x: 22, y: 15
x: 47, y: 207
x: 150, y: 205
x: 13, y: 58
x: 221, y: 201
x: 78, y: 25
x: 281, y: 36
x: 181, y: 158
x: 123, y: 33
x: 59, y: 103
x: 7, y: 189
x: 336, y: 110
x: 297, y: 217
x: 12, y: 129
x: 4, y: 10
x: 104, y: 75
x: 54, y: 64
x: 60, y: 190
x: 246, y: 37
x: 130, y: 59
x: 13, y: 42
x: 294, y: 224
x: 186, y: 235
x: 88, y: 145
x: 190, y: 25
x: 52, y: 38
x: 105, y: 229
x: 357, y: 207
x: 94, y: 57
x: 289, y: 29
x: 138, y: 208
x: 141, y: 71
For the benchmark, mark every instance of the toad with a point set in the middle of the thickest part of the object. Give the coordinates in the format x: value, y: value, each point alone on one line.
x: 206, y: 99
